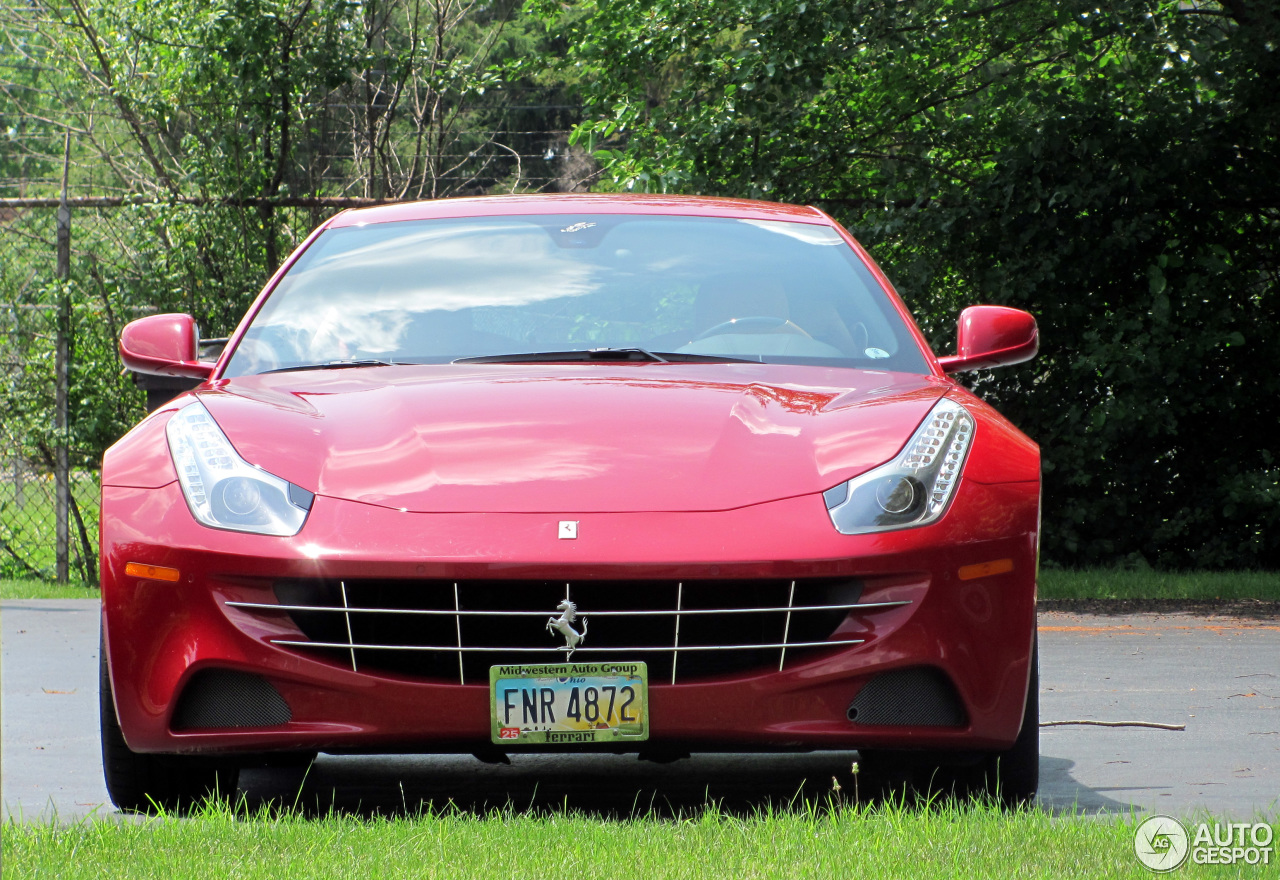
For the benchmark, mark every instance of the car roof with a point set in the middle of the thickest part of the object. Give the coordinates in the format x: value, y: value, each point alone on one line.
x: 580, y: 203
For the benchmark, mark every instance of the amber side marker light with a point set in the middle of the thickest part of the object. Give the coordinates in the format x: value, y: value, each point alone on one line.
x: 152, y: 572
x: 985, y: 569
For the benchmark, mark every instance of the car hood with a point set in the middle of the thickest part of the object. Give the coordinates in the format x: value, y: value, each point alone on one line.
x: 570, y: 438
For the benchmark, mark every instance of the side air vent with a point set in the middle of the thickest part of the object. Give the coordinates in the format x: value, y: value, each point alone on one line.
x: 921, y: 697
x: 226, y: 698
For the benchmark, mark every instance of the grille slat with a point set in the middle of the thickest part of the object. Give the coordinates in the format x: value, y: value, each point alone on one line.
x: 451, y: 649
x: 417, y: 628
x: 675, y: 645
x: 848, y: 606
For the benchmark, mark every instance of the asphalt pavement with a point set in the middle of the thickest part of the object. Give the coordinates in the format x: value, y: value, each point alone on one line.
x: 1217, y: 674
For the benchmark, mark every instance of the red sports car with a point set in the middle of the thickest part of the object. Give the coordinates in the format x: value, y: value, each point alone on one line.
x: 529, y: 473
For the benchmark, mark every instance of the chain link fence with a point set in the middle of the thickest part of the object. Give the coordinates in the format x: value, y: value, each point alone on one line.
x: 48, y: 494
x: 109, y: 210
x: 64, y: 397
x: 37, y: 539
x: 116, y: 203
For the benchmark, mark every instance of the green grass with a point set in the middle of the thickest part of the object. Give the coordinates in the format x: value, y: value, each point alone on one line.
x: 32, y: 588
x: 1102, y: 583
x: 841, y: 842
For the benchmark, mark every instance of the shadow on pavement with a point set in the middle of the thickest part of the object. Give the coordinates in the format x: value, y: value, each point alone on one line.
x: 611, y: 786
x: 1061, y: 794
x: 615, y: 786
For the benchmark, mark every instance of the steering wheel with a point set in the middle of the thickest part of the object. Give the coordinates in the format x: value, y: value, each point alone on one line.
x: 753, y: 324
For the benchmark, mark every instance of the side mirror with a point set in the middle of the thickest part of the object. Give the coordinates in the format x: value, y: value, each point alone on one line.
x: 992, y: 336
x: 164, y: 345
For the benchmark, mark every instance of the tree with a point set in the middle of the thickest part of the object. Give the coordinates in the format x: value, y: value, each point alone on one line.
x: 1110, y: 169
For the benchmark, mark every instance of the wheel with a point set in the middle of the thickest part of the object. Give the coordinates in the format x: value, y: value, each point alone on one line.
x: 753, y: 324
x: 1013, y: 776
x: 143, y: 783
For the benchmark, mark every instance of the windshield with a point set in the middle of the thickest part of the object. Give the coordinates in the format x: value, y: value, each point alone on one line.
x: 434, y: 291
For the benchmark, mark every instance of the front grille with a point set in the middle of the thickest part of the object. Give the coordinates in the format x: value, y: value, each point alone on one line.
x: 457, y: 630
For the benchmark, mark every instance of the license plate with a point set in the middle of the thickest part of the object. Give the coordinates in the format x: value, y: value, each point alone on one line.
x: 569, y: 703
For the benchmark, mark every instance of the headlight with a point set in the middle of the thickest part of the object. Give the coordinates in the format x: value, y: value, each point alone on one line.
x: 913, y: 489
x: 222, y: 489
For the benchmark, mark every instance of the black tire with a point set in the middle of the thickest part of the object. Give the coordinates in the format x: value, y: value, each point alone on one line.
x: 1013, y: 776
x: 143, y: 783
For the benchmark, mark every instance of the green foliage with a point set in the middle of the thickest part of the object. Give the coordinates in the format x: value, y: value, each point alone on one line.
x: 228, y: 84
x: 1110, y: 169
x: 214, y: 115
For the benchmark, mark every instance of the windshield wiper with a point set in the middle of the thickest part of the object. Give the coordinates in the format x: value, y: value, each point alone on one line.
x: 599, y: 354
x: 337, y: 365
x: 638, y: 350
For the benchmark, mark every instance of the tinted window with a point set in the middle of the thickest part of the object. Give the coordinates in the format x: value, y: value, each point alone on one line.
x: 435, y: 290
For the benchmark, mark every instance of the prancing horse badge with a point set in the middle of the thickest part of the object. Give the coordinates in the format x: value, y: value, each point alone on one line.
x: 568, y: 528
x: 564, y: 625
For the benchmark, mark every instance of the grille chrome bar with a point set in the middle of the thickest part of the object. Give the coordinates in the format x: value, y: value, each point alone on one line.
x: 632, y: 649
x: 675, y: 653
x: 786, y: 629
x: 657, y: 612
x: 346, y: 613
x: 699, y: 628
x: 457, y: 623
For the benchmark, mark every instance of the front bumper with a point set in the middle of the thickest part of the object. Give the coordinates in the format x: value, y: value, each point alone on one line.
x: 978, y: 632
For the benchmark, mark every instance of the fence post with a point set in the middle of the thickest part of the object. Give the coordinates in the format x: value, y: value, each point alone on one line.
x: 62, y: 481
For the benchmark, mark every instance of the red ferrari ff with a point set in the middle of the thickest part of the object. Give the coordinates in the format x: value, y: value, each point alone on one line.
x: 531, y: 473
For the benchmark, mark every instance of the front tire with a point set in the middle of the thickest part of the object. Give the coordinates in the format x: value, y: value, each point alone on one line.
x: 1013, y: 776
x: 143, y: 783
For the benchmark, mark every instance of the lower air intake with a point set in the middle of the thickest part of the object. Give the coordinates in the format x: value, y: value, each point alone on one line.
x: 226, y: 698
x: 921, y: 697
